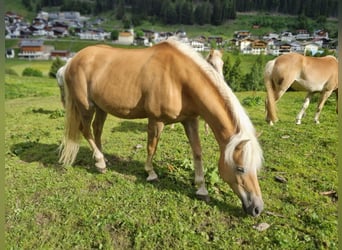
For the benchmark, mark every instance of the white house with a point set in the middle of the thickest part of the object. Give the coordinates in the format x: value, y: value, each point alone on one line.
x: 245, y: 46
x: 197, y: 45
x: 287, y: 37
x: 313, y: 48
x: 126, y: 38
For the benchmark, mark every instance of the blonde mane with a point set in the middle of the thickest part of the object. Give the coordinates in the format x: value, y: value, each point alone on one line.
x: 246, y: 131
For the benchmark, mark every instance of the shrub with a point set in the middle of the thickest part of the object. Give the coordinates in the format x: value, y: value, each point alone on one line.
x: 251, y: 101
x: 56, y: 64
x: 32, y: 72
x: 10, y: 71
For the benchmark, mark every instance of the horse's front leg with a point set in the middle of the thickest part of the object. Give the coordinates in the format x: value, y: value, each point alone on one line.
x: 304, y: 107
x: 191, y: 130
x: 154, y: 131
x: 322, y: 100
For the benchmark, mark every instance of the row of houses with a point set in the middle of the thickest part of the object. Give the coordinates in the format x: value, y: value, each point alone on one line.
x: 285, y: 42
x: 36, y: 49
x: 60, y: 24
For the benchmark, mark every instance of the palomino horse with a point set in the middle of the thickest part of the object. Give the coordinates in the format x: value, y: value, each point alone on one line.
x: 165, y: 83
x: 314, y: 74
x: 215, y: 59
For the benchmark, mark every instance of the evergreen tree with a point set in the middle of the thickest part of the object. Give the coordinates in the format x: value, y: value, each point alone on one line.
x: 227, y: 66
x: 216, y: 17
x: 120, y: 10
x: 114, y: 35
x: 199, y: 15
x: 56, y: 64
x: 169, y: 14
x: 254, y: 80
x: 235, y: 76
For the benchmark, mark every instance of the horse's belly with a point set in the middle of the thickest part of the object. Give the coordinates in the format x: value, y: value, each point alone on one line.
x: 307, y: 85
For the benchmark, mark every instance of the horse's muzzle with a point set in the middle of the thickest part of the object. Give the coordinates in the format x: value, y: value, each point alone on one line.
x: 253, y: 207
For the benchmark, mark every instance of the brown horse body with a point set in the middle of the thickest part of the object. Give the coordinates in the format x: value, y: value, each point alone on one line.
x: 166, y: 83
x: 313, y: 74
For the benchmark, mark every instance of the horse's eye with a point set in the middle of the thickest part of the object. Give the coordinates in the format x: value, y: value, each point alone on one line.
x: 240, y: 169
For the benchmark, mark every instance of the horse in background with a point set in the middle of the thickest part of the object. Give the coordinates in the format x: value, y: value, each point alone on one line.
x: 313, y: 74
x: 166, y: 83
x: 215, y: 59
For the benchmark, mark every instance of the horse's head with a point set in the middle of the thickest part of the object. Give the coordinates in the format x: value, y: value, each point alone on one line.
x: 60, y: 81
x: 215, y: 59
x: 238, y: 167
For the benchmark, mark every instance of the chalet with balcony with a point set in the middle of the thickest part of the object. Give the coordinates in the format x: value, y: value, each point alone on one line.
x: 242, y: 34
x: 31, y: 49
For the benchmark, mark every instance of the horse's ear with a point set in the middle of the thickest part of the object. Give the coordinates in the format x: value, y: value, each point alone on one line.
x: 241, y: 144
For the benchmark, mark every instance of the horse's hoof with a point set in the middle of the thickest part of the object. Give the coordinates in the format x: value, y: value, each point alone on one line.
x: 101, y: 167
x: 298, y: 122
x: 202, y: 197
x: 101, y: 170
x: 152, y: 179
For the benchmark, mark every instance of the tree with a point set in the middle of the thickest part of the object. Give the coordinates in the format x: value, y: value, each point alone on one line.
x: 169, y: 14
x: 56, y: 64
x: 254, y: 80
x: 216, y: 17
x: 203, y: 13
x: 227, y: 66
x: 120, y: 10
x: 235, y: 76
x: 114, y: 35
x: 185, y: 12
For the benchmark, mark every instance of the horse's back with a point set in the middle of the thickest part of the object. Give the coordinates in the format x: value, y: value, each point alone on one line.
x: 313, y: 73
x: 129, y: 83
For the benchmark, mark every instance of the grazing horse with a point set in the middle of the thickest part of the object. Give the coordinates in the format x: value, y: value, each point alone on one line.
x: 313, y: 74
x: 165, y: 83
x: 215, y: 59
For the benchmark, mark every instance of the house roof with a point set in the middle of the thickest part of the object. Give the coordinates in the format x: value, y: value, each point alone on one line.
x: 125, y: 34
x: 31, y: 43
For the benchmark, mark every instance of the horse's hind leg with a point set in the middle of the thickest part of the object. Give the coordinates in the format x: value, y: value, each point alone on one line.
x: 154, y: 131
x: 304, y: 107
x: 191, y: 130
x: 86, y: 131
x: 324, y: 96
x: 99, y: 120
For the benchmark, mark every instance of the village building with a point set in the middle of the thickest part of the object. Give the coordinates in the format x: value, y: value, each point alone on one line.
x: 302, y: 34
x: 242, y: 34
x: 31, y: 49
x: 311, y: 48
x: 62, y: 54
x: 126, y: 38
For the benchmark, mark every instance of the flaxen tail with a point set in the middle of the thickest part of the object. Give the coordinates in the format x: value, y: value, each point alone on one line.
x: 270, y: 99
x: 72, y: 134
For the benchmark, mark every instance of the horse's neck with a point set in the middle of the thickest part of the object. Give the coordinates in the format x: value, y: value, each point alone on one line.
x: 222, y: 127
x: 215, y: 112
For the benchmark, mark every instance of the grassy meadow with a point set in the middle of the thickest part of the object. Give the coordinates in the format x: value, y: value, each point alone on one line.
x: 51, y: 207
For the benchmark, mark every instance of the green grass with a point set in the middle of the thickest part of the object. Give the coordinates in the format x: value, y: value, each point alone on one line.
x: 50, y: 207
